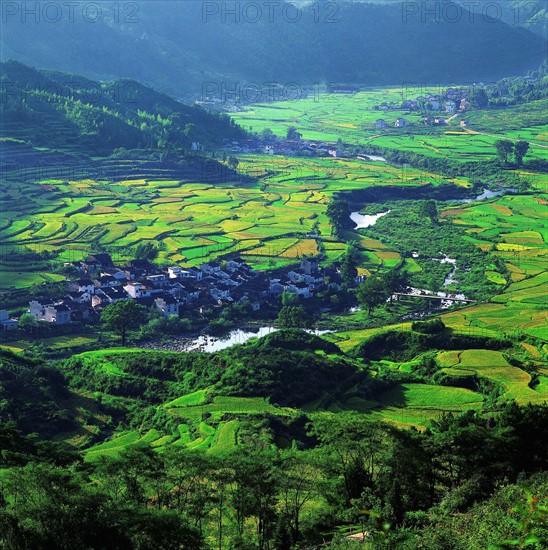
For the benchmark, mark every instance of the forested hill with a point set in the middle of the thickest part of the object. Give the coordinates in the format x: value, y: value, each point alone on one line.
x: 53, y: 109
x: 179, y: 47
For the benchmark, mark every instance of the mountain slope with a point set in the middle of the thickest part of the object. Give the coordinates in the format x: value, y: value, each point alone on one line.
x: 184, y: 47
x: 63, y: 110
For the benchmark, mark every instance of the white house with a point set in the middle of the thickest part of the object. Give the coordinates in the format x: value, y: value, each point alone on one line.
x: 450, y: 107
x: 177, y: 272
x: 58, y: 314
x: 167, y: 305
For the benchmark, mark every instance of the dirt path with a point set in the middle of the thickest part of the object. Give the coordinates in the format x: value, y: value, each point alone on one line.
x: 501, y: 136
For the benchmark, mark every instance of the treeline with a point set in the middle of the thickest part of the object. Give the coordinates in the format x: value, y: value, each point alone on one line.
x: 478, y: 171
x: 519, y: 90
x: 405, y: 489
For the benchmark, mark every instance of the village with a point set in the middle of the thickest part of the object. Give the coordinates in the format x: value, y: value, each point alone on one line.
x: 174, y: 290
x: 438, y: 110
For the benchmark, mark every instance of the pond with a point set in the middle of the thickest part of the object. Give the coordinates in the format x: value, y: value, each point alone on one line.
x: 366, y: 220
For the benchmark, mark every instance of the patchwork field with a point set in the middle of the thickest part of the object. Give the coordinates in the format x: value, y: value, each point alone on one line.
x: 267, y: 222
x: 328, y: 117
x: 515, y: 227
x: 517, y: 384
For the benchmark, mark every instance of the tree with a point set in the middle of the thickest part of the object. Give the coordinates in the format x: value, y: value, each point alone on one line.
x: 430, y: 210
x: 293, y: 134
x: 504, y: 149
x: 289, y: 299
x: 190, y: 130
x: 520, y: 150
x: 27, y: 322
x: 349, y: 264
x: 267, y: 134
x: 478, y: 98
x: 372, y: 293
x: 146, y: 251
x: 297, y: 487
x: 338, y: 213
x: 122, y: 316
x: 395, y: 280
x: 233, y: 162
x: 294, y: 317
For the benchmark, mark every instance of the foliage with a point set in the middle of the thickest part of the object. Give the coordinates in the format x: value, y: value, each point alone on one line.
x: 122, y: 316
x: 372, y: 293
x: 429, y: 327
x: 338, y: 213
x: 294, y: 317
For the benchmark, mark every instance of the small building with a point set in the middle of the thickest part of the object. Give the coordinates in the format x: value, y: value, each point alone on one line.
x: 309, y: 265
x: 380, y: 123
x: 58, y: 314
x: 464, y: 124
x: 210, y: 268
x: 167, y: 304
x: 6, y: 323
x: 82, y: 285
x: 450, y: 107
x: 401, y: 122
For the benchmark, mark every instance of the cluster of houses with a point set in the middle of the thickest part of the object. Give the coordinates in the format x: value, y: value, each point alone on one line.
x: 172, y: 290
x: 452, y: 101
x: 286, y: 147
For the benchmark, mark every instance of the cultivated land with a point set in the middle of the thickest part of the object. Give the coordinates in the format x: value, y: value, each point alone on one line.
x: 267, y: 221
x: 328, y: 117
x: 274, y: 214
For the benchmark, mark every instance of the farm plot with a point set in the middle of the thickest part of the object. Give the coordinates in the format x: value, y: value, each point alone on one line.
x: 190, y: 222
x: 515, y: 227
x: 493, y: 366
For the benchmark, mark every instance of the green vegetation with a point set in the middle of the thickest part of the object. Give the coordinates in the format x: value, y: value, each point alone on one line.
x: 57, y: 110
x: 282, y: 441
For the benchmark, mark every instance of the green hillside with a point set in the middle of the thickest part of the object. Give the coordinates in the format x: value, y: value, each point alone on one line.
x: 66, y: 111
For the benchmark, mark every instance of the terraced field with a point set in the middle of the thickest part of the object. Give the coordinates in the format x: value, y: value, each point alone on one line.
x: 517, y: 383
x: 267, y: 222
x: 516, y: 228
